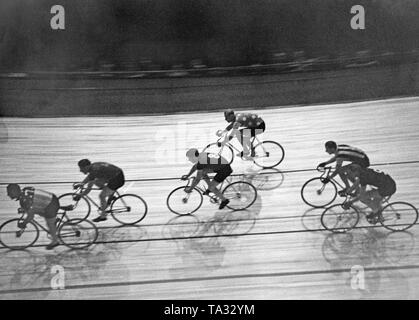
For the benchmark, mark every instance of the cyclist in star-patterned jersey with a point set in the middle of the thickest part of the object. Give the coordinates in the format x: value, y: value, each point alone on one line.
x: 250, y: 125
x: 205, y: 163
x: 36, y: 201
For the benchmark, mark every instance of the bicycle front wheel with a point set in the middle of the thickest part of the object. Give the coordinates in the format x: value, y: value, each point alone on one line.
x: 12, y: 237
x: 224, y: 151
x: 80, y: 209
x: 129, y: 209
x: 241, y: 195
x: 78, y: 233
x: 268, y: 154
x: 398, y: 216
x: 317, y: 194
x: 339, y: 220
x: 182, y: 203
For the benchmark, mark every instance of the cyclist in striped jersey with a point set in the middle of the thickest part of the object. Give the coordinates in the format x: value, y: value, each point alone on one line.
x: 36, y: 201
x: 343, y: 152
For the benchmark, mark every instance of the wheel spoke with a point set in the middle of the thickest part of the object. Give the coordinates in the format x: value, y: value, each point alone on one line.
x: 317, y: 194
x: 80, y: 209
x: 337, y: 219
x: 129, y: 209
x: 268, y: 154
x: 182, y: 203
x: 241, y: 195
x: 14, y: 238
x: 398, y: 216
x: 78, y: 233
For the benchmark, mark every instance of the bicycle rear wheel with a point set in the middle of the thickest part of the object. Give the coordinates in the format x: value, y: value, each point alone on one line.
x: 80, y: 209
x: 339, y: 220
x: 182, y: 203
x: 78, y: 233
x: 398, y: 216
x: 241, y: 195
x: 268, y: 154
x: 13, y: 238
x: 317, y: 194
x: 225, y: 151
x: 129, y: 209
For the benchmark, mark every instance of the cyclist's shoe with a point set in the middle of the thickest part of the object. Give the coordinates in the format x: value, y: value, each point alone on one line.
x: 224, y: 203
x: 373, y: 217
x: 100, y: 218
x: 342, y: 193
x: 52, y: 245
x: 206, y: 192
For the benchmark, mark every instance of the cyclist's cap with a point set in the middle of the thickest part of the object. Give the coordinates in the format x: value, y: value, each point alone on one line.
x: 331, y: 144
x: 84, y: 163
x: 13, y: 188
x: 229, y: 112
x: 193, y: 152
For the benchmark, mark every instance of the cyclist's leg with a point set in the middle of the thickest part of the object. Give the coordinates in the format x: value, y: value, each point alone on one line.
x: 109, y: 190
x: 372, y: 199
x: 219, y: 178
x: 257, y: 131
x: 105, y: 193
x: 344, y: 178
x: 50, y: 216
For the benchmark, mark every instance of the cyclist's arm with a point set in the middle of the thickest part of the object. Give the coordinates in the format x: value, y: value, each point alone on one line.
x: 198, y: 178
x: 229, y: 127
x: 338, y: 166
x: 29, y: 216
x: 88, y: 188
x: 193, y: 169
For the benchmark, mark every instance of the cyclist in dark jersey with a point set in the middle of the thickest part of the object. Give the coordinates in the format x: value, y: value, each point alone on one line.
x: 343, y: 152
x: 205, y: 163
x: 106, y: 177
x: 384, y: 186
x: 36, y: 201
x: 251, y: 124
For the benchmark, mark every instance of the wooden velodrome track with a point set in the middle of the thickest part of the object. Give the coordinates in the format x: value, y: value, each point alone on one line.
x: 276, y: 250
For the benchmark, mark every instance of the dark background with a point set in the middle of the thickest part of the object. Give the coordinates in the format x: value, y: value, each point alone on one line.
x: 164, y: 34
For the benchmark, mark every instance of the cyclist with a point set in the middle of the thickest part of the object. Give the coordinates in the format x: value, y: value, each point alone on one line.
x: 205, y: 163
x: 343, y: 152
x: 36, y: 201
x: 251, y: 125
x: 361, y: 177
x: 106, y: 177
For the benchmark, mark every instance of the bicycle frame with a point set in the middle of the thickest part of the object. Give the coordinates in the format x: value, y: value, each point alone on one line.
x: 228, y: 143
x: 34, y: 221
x: 326, y: 173
x: 93, y: 202
x: 201, y: 189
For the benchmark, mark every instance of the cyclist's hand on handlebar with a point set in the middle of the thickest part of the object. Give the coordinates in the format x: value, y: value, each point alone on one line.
x: 322, y: 165
x: 21, y: 225
x: 184, y: 177
x: 219, y: 133
x: 346, y: 205
x: 77, y: 185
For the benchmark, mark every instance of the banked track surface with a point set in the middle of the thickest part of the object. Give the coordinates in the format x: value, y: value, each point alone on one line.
x: 276, y: 250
